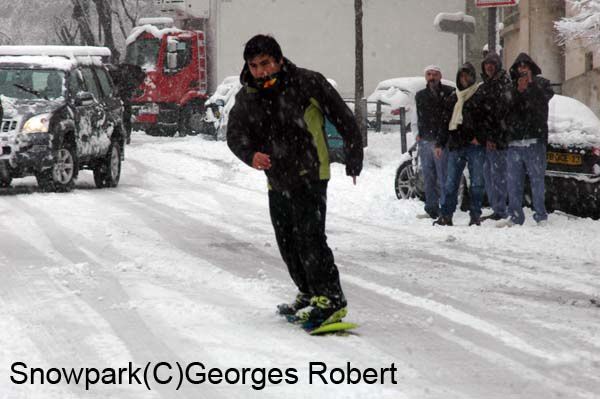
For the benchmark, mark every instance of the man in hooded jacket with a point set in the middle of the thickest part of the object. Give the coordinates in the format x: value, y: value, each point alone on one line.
x: 277, y: 126
x: 466, y: 141
x: 494, y: 91
x: 527, y: 132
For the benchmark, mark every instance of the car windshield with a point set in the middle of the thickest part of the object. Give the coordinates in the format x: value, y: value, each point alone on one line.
x: 29, y: 84
x: 143, y: 53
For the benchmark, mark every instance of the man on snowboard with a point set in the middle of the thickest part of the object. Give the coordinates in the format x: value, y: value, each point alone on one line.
x: 277, y: 126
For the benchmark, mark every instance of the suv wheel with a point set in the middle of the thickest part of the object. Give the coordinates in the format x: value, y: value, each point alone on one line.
x: 5, y: 182
x: 191, y: 121
x: 61, y: 176
x: 108, y: 171
x: 407, y: 183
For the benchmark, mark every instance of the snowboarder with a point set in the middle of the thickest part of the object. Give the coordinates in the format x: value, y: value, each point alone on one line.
x: 432, y: 120
x: 277, y: 126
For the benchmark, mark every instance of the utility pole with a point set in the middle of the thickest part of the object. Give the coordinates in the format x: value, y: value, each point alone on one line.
x: 492, y: 29
x: 359, y: 85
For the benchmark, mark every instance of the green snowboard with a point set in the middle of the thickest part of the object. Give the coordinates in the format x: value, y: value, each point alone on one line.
x: 340, y: 328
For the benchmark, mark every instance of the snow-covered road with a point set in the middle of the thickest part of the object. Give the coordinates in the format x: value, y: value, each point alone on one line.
x: 179, y: 265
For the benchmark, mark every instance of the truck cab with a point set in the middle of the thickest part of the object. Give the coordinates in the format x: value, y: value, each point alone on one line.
x: 171, y: 98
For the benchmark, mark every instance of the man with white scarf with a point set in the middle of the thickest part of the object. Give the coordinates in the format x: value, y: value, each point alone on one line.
x: 466, y: 140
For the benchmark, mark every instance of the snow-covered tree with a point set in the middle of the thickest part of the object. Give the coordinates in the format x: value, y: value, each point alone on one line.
x: 583, y: 25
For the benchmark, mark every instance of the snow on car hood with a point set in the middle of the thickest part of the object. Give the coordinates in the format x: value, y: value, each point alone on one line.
x: 572, y: 123
x: 18, y: 108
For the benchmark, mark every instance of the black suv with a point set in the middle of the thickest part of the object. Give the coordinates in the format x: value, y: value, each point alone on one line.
x: 61, y: 114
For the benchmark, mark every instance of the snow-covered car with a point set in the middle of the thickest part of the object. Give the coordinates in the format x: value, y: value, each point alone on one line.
x: 394, y: 94
x: 61, y: 114
x: 573, y: 168
x: 218, y: 106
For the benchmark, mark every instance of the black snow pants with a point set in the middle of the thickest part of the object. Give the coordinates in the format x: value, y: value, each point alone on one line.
x: 298, y: 217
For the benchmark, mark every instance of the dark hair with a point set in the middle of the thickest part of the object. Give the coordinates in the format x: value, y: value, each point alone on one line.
x: 262, y: 44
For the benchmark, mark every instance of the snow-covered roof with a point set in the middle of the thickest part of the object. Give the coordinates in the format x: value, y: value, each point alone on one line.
x: 53, y: 57
x: 156, y: 21
x: 151, y: 29
x: 43, y: 62
x: 62, y: 51
x: 572, y: 123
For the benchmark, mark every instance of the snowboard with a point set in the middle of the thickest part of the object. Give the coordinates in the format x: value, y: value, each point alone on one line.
x: 337, y: 328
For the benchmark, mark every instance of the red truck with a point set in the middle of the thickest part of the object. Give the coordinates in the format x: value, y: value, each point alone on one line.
x: 171, y: 98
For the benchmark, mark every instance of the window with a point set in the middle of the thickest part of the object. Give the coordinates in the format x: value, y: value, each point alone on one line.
x: 589, y: 61
x: 75, y: 80
x: 104, y: 79
x: 143, y: 53
x: 90, y: 82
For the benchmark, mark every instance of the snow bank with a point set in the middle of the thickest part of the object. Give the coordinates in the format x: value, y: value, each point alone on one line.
x: 571, y: 123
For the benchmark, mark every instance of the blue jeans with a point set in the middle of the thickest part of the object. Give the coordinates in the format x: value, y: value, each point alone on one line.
x: 494, y: 172
x: 434, y: 176
x: 530, y: 160
x: 472, y: 156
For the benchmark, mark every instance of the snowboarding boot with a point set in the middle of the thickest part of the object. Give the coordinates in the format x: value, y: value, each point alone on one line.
x: 289, y: 309
x: 321, y: 311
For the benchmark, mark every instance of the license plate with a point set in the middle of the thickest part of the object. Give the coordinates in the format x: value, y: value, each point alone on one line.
x: 564, y: 159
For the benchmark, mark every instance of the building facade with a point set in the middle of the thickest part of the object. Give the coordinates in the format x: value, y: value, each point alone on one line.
x: 399, y: 37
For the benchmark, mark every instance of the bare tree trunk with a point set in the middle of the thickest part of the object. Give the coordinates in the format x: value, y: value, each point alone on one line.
x: 132, y: 18
x: 81, y: 14
x: 104, y: 9
x: 359, y: 88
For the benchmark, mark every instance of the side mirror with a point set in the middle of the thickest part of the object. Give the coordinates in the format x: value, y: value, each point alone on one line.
x: 84, y: 98
x: 171, y: 46
x: 172, y: 61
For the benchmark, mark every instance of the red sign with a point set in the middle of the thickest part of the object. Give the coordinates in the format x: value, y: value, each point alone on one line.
x: 495, y: 3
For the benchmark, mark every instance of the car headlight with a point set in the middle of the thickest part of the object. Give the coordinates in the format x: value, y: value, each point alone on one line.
x: 37, y: 124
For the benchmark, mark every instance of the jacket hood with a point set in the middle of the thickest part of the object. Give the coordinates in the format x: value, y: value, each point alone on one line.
x: 525, y: 59
x: 468, y: 68
x: 246, y: 77
x: 491, y: 58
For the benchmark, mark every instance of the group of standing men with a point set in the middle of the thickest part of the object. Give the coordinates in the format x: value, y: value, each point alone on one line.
x: 497, y: 128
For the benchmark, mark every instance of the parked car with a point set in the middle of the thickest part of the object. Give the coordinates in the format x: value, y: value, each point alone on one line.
x: 222, y: 101
x: 218, y: 106
x: 573, y: 169
x: 61, y: 114
x: 394, y: 94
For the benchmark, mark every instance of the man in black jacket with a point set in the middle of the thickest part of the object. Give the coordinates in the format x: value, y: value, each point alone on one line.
x: 466, y: 145
x: 277, y: 126
x: 527, y: 126
x: 496, y: 84
x: 433, y: 117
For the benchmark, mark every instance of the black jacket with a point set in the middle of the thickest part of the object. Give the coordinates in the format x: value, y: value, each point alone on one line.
x: 287, y: 123
x: 527, y: 116
x: 433, y: 112
x: 473, y: 125
x: 495, y: 92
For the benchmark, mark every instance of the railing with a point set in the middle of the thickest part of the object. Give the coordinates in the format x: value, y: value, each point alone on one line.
x: 378, y: 120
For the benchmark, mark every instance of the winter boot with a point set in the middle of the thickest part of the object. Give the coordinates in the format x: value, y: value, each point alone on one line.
x: 321, y: 310
x: 443, y: 221
x: 288, y: 309
x: 493, y: 216
x: 475, y: 221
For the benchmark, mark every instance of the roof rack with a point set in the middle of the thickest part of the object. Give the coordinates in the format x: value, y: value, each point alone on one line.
x: 58, y: 51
